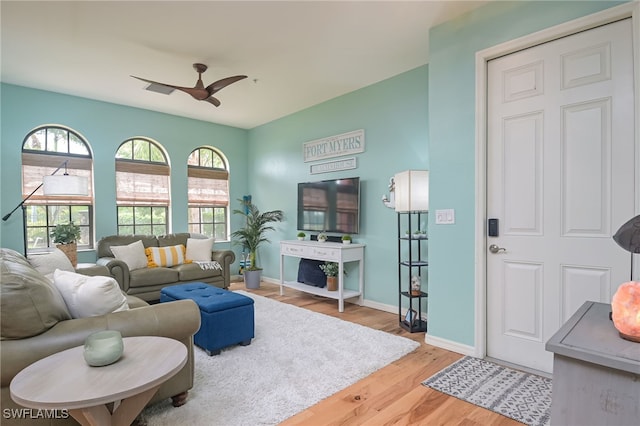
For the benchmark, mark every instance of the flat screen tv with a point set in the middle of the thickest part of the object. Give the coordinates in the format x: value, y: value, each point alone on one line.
x: 329, y: 205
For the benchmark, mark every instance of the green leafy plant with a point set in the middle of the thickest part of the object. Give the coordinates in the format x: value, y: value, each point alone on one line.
x: 330, y: 269
x: 252, y: 235
x: 346, y: 237
x: 301, y: 235
x: 65, y: 233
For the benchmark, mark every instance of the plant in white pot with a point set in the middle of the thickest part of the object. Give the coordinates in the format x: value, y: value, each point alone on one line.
x: 66, y: 237
x: 252, y: 235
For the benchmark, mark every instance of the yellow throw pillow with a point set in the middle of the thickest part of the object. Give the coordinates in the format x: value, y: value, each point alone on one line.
x: 165, y: 256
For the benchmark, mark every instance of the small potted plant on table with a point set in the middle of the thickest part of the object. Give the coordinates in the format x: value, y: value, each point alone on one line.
x: 346, y: 239
x: 331, y: 270
x: 66, y: 236
x: 301, y: 235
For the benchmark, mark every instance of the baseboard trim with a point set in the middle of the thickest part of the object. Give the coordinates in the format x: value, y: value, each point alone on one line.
x: 451, y: 346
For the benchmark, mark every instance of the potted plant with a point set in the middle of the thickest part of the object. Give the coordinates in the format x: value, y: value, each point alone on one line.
x: 322, y: 237
x: 331, y: 270
x: 346, y: 239
x: 66, y: 237
x: 252, y: 235
x: 301, y: 235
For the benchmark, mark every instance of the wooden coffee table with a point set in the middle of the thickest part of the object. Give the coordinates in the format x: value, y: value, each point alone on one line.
x: 65, y: 381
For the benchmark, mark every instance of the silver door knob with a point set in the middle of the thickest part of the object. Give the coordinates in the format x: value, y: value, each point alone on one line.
x: 495, y: 249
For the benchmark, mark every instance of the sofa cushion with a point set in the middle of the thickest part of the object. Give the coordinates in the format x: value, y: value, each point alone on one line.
x: 173, y: 239
x: 47, y: 263
x: 105, y: 243
x: 152, y: 276
x: 132, y: 254
x: 165, y: 256
x: 199, y: 249
x: 29, y: 303
x: 87, y: 296
x: 193, y: 272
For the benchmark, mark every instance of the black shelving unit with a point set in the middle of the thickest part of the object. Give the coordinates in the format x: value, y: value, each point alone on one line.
x: 412, y: 261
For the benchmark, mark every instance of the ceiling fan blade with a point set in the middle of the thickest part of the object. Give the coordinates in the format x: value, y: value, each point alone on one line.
x: 155, y: 82
x: 221, y: 84
x: 195, y: 92
x: 213, y: 101
x: 198, y: 93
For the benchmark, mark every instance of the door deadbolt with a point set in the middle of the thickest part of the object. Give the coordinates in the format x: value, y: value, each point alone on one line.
x: 493, y: 248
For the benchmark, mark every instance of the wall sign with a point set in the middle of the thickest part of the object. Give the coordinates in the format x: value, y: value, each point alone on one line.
x: 334, y: 146
x: 333, y: 166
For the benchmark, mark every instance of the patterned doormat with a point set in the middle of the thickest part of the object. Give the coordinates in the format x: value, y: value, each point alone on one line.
x: 521, y: 396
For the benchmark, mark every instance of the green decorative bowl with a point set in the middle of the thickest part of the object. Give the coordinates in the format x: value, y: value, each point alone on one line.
x: 103, y: 348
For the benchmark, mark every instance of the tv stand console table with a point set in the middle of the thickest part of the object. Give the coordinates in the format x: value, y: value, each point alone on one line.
x: 329, y: 252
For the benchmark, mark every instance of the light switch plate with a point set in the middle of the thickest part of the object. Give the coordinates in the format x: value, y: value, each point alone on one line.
x: 445, y: 217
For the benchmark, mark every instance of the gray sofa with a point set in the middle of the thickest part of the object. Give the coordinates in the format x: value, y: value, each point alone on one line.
x: 36, y: 323
x: 146, y: 283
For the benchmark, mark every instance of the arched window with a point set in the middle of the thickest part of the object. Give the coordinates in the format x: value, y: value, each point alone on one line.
x: 44, y: 150
x: 142, y: 188
x: 208, y: 193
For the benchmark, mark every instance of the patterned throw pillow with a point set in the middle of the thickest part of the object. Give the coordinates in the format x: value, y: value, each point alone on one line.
x: 165, y: 256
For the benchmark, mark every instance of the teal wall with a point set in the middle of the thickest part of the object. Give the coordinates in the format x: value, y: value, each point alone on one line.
x: 105, y: 126
x: 452, y: 49
x: 393, y: 114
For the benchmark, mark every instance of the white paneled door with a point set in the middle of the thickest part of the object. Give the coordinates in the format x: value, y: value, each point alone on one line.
x: 560, y: 177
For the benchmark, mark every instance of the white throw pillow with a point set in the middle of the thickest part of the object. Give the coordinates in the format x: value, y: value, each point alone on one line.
x: 87, y: 296
x: 133, y: 255
x: 47, y: 263
x: 199, y: 249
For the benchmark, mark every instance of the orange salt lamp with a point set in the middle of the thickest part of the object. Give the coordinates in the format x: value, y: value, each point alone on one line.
x: 625, y: 310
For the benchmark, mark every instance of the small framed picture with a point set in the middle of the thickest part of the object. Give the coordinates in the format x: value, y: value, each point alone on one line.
x: 411, y: 317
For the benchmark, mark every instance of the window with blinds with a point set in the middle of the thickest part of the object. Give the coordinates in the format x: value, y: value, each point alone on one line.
x: 143, y: 191
x: 44, y: 151
x: 208, y: 193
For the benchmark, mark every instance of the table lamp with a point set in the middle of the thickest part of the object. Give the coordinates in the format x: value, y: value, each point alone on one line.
x: 625, y: 304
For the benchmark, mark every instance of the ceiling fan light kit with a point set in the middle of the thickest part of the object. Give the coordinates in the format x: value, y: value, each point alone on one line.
x: 198, y: 92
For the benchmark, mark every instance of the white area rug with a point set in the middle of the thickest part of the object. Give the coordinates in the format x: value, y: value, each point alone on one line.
x: 297, y: 358
x: 521, y: 396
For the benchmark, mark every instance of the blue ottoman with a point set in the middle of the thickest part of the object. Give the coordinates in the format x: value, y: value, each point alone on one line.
x: 227, y: 317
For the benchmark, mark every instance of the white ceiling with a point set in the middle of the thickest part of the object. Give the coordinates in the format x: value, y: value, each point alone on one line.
x: 296, y: 53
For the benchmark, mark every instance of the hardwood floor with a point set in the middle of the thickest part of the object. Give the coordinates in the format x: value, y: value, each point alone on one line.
x: 393, y: 394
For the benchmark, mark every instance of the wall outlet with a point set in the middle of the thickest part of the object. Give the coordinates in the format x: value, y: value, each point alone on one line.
x: 445, y: 217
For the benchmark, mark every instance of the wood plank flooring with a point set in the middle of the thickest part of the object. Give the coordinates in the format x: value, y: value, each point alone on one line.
x: 394, y: 394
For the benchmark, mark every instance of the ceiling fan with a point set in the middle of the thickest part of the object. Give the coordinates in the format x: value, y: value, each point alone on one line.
x: 200, y: 92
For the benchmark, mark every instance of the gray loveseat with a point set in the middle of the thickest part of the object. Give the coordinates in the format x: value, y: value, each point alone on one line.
x: 146, y: 283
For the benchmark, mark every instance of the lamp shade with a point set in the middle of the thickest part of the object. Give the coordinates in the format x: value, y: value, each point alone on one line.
x: 412, y: 190
x: 628, y: 236
x: 65, y: 185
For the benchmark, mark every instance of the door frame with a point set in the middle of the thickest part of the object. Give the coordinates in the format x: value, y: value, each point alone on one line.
x: 628, y: 10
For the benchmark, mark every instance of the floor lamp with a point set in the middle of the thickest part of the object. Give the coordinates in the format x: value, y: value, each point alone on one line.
x: 56, y: 185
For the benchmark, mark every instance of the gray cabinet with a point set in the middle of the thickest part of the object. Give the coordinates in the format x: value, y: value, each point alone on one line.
x: 596, y: 373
